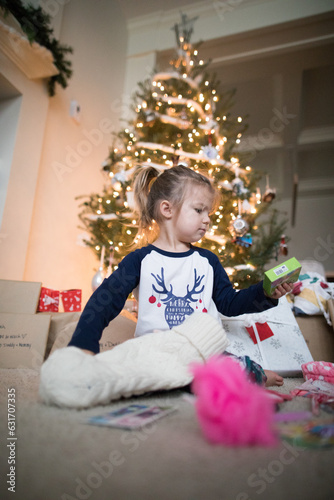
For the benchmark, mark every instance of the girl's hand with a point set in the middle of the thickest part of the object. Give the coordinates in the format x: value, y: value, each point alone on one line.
x: 282, y: 290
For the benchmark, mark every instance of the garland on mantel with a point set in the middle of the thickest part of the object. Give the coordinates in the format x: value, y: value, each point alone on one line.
x: 35, y: 24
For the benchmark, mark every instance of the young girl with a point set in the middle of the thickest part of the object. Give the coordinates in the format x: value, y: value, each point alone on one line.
x: 171, y: 278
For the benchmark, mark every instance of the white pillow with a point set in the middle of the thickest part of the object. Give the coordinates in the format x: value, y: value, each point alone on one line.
x: 119, y: 330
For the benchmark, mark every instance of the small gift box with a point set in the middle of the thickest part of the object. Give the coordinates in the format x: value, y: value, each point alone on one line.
x: 71, y: 300
x: 287, y: 272
x: 48, y: 300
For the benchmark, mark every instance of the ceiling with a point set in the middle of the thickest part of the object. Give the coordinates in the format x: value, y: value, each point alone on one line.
x: 135, y: 8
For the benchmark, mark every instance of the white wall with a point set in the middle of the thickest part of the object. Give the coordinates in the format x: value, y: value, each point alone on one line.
x: 73, y: 152
x: 312, y: 237
x: 22, y: 145
x: 9, y: 116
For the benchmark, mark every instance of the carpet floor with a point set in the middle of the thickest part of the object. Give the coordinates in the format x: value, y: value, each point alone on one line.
x: 57, y: 456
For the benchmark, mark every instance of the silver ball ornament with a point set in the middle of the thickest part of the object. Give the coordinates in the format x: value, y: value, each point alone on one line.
x: 239, y: 226
x: 97, y: 279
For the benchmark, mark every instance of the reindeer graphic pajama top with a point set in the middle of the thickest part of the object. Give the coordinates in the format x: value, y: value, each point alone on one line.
x: 168, y: 287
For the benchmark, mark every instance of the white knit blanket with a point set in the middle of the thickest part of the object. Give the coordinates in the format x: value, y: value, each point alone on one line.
x: 156, y: 361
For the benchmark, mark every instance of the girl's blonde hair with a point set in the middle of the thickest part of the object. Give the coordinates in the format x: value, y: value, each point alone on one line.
x: 151, y: 187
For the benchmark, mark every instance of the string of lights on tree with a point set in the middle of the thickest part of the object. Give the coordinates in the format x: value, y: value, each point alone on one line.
x: 180, y: 117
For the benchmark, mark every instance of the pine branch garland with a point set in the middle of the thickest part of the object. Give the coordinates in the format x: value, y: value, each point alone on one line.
x: 35, y: 24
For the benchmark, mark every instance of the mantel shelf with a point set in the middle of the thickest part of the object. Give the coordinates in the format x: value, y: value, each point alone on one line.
x: 316, y: 135
x: 32, y: 59
x: 313, y: 137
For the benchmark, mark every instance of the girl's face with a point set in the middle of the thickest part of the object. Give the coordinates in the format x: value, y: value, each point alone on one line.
x: 192, y: 220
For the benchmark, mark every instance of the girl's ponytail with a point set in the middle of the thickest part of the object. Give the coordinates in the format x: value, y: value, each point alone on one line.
x: 141, y: 189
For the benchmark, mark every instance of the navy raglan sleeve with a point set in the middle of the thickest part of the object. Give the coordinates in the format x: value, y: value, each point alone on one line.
x: 106, y: 303
x: 231, y: 302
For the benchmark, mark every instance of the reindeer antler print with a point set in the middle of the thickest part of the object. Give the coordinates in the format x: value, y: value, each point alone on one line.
x: 197, y: 282
x: 177, y: 308
x: 161, y: 282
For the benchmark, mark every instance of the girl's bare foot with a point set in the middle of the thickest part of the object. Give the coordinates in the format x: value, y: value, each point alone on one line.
x: 273, y: 378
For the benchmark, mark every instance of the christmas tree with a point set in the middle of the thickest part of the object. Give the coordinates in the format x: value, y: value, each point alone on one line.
x: 179, y: 117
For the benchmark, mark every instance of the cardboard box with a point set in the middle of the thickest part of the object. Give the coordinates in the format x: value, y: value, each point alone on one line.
x: 23, y: 339
x: 287, y: 272
x: 19, y: 296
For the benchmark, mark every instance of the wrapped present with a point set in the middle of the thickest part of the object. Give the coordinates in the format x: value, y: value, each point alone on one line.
x: 48, y: 300
x: 71, y: 300
x: 271, y: 338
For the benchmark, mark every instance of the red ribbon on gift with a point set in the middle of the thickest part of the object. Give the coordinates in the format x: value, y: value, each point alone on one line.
x: 263, y: 330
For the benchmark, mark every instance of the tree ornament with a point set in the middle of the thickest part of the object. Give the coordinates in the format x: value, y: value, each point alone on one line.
x: 239, y: 226
x: 210, y: 152
x: 238, y: 186
x: 246, y: 206
x: 99, y: 275
x: 150, y: 118
x: 269, y: 194
x: 245, y: 241
x: 117, y: 180
x: 117, y: 186
x: 97, y: 279
x: 283, y: 246
x: 183, y: 114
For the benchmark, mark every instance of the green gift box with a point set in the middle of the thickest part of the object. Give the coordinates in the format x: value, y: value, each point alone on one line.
x: 287, y: 272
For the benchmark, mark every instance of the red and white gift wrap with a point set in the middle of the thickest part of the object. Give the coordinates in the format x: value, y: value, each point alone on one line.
x: 71, y: 300
x: 48, y: 300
